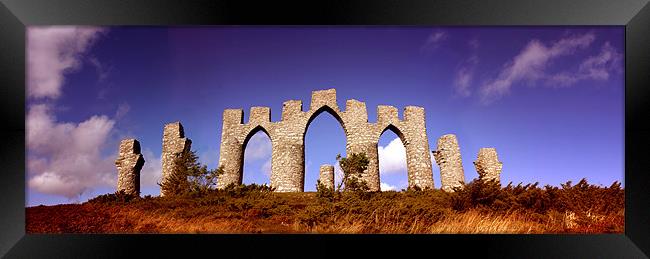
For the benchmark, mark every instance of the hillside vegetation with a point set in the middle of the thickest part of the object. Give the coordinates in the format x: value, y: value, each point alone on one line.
x: 478, y: 208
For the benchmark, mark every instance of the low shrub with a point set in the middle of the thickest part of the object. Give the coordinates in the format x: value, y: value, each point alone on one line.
x: 119, y: 197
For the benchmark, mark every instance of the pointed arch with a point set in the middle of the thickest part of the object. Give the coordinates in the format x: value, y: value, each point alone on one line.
x: 252, y: 132
x: 330, y: 110
x: 244, y: 144
x: 309, y: 179
x: 397, y: 132
x: 391, y: 161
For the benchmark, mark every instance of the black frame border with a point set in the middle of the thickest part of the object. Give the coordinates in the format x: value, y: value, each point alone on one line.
x: 633, y: 14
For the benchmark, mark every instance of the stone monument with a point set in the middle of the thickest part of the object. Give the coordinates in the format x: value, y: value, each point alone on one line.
x: 488, y: 165
x: 129, y: 163
x: 327, y: 176
x: 174, y: 145
x: 288, y: 135
x: 448, y: 159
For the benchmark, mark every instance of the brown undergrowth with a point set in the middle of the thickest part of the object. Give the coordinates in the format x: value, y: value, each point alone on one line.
x: 477, y: 208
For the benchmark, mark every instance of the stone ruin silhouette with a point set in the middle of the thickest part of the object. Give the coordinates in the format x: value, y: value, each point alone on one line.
x: 288, y: 146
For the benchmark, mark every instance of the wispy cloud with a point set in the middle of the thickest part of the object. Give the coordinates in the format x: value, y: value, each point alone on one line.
x: 434, y: 41
x: 529, y: 66
x: 258, y: 147
x: 266, y: 168
x: 598, y: 67
x: 102, y: 70
x: 52, y: 52
x: 465, y: 70
x: 122, y: 110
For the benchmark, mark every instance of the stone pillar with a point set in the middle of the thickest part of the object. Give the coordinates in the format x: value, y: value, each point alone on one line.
x: 418, y: 156
x: 327, y: 176
x: 231, y: 153
x: 232, y: 160
x: 288, y: 163
x: 129, y: 163
x: 448, y: 159
x: 174, y: 144
x: 488, y: 165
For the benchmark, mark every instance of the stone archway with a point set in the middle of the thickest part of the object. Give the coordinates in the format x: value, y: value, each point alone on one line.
x: 288, y: 134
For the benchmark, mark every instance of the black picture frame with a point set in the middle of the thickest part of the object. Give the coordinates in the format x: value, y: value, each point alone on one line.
x: 633, y: 14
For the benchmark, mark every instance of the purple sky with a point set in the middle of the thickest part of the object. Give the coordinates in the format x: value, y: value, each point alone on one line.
x: 549, y: 99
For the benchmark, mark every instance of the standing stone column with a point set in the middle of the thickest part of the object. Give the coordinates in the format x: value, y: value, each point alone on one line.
x: 129, y: 163
x: 288, y: 164
x: 174, y: 145
x: 327, y: 176
x: 488, y: 165
x: 418, y: 154
x: 448, y: 159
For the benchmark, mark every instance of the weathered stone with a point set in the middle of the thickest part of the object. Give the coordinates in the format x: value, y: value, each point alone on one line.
x: 129, y: 163
x: 287, y: 139
x: 447, y: 157
x: 327, y: 176
x: 174, y: 145
x: 488, y: 165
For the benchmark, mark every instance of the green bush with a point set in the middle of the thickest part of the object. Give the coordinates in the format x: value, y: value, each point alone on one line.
x: 242, y: 190
x: 353, y: 167
x: 581, y: 198
x: 119, y: 197
x: 189, y: 177
x: 324, y: 193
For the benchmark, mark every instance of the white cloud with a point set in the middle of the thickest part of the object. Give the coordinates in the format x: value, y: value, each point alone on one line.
x: 53, y: 51
x: 258, y: 147
x: 387, y: 187
x: 392, y: 157
x: 530, y: 64
x: 65, y: 158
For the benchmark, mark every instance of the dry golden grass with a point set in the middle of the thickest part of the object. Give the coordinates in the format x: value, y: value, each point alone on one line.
x: 474, y: 222
x: 476, y: 210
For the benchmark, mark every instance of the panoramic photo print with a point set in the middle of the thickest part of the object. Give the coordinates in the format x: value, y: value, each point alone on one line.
x: 331, y: 130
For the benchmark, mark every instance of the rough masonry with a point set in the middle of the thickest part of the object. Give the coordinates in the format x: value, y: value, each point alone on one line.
x: 174, y: 144
x: 327, y: 176
x: 488, y: 165
x: 447, y: 157
x: 288, y: 139
x: 129, y: 163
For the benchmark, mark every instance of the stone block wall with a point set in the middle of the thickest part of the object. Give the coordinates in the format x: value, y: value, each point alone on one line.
x: 174, y: 144
x: 129, y: 163
x: 447, y: 156
x: 488, y: 165
x: 287, y: 139
x: 327, y: 176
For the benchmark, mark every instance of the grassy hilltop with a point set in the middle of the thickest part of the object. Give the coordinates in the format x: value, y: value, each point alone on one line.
x: 478, y: 208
